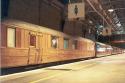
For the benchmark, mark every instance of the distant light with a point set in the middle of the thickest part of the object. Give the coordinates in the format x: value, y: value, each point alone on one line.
x: 110, y: 10
x: 118, y: 24
x: 101, y: 26
x: 90, y: 22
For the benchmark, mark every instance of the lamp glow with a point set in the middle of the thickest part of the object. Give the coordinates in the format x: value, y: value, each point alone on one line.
x: 110, y: 10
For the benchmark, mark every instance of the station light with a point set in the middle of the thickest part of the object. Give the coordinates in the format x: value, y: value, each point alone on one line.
x: 118, y: 24
x: 101, y: 26
x: 90, y: 22
x: 110, y: 10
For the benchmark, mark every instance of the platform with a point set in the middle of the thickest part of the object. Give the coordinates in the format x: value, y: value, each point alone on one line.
x: 110, y: 69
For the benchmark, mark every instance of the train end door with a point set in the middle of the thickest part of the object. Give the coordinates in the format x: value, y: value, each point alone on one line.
x: 34, y: 53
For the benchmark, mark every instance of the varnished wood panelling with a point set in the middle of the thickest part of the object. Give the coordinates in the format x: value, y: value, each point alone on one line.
x: 32, y: 60
x: 60, y: 42
x: 49, y: 41
x: 18, y: 37
x: 15, y: 61
x: 45, y: 41
x: 22, y: 38
x: 32, y: 51
x: 40, y: 47
x: 26, y: 39
x: 3, y: 35
x: 14, y: 52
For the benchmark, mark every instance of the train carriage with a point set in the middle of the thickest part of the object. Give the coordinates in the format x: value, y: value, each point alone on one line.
x: 25, y: 44
x: 103, y: 49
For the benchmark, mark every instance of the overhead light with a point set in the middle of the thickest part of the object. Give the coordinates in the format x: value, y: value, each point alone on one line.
x: 110, y: 10
x: 90, y: 22
x: 118, y: 24
x: 101, y: 26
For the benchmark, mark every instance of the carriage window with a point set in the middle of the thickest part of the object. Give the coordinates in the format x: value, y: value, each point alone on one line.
x: 54, y: 41
x: 74, y: 45
x: 11, y: 37
x: 66, y: 43
x: 32, y: 40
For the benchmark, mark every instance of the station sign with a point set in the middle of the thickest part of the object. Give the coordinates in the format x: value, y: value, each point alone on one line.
x: 76, y: 10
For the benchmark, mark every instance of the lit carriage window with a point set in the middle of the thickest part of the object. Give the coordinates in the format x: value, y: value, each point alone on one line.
x: 74, y: 45
x: 54, y: 41
x: 66, y: 43
x: 32, y: 40
x: 11, y: 37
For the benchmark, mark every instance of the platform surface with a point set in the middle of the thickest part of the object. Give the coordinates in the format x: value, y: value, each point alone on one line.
x: 110, y: 69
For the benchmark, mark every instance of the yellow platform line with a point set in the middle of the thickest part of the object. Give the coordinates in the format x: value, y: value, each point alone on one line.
x: 42, y: 79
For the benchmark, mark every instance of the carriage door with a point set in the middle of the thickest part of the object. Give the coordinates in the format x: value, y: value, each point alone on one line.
x: 34, y: 56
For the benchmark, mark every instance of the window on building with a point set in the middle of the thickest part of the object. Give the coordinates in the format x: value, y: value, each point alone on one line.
x: 74, y: 45
x: 11, y: 37
x: 32, y: 40
x: 54, y: 41
x: 66, y: 43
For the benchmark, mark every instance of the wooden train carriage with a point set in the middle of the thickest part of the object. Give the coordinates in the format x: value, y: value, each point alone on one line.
x: 28, y: 44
